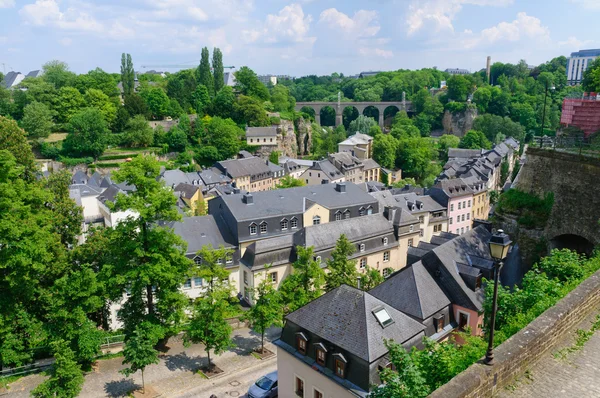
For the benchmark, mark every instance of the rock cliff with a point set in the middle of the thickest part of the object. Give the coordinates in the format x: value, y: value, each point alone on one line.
x: 460, y: 122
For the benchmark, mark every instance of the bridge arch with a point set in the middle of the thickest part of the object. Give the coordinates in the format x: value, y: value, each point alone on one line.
x: 309, y: 110
x: 572, y: 242
x: 372, y: 112
x: 327, y: 116
x: 388, y: 114
x: 349, y: 114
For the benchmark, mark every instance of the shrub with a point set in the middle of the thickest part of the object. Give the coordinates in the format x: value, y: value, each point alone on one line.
x: 50, y: 151
x: 532, y: 211
x: 456, y: 107
x: 275, y: 120
x: 70, y: 162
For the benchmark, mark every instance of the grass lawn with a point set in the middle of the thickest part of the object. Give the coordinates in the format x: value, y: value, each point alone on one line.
x: 55, y: 137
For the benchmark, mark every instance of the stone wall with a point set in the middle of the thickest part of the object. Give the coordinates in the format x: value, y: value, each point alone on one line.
x: 522, y: 350
x: 459, y: 123
x: 574, y: 181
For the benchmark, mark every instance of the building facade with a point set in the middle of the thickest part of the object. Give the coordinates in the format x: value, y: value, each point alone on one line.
x: 578, y: 63
x: 457, y: 196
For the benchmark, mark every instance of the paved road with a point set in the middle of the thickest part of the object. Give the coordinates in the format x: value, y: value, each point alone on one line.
x: 577, y: 376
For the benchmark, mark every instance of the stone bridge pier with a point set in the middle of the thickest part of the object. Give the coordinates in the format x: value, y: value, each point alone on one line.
x: 359, y: 106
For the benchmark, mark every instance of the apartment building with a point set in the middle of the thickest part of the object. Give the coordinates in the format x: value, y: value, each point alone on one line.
x: 456, y: 196
x: 322, y: 172
x: 249, y: 174
x: 358, y: 144
x: 263, y: 136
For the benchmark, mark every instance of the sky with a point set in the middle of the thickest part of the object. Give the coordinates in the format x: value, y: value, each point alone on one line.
x: 293, y: 38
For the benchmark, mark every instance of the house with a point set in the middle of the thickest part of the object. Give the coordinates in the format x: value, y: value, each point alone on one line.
x: 12, y: 79
x: 457, y: 71
x: 249, y: 174
x: 35, y: 73
x: 355, y: 170
x: 322, y: 172
x: 358, y: 144
x: 277, y: 172
x: 433, y: 218
x: 391, y: 176
x: 481, y: 198
x: 335, y: 345
x: 189, y: 197
x: 263, y: 136
x: 112, y: 217
x: 457, y: 196
x: 229, y: 79
x: 293, y: 168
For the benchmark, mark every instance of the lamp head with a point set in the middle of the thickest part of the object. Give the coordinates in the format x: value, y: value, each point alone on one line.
x: 499, y: 244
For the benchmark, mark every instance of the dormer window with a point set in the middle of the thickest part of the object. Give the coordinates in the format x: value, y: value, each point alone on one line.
x: 320, y: 354
x: 361, y: 211
x: 361, y: 247
x: 385, y: 241
x: 253, y: 229
x: 370, y: 210
x: 338, y: 215
x: 284, y: 224
x: 301, y: 341
x: 347, y: 214
x: 294, y: 223
x: 263, y: 227
x: 411, y: 228
x: 316, y: 220
x: 340, y: 365
x: 438, y: 323
x: 198, y: 260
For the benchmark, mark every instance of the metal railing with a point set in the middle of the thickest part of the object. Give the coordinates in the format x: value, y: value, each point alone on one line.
x: 575, y: 145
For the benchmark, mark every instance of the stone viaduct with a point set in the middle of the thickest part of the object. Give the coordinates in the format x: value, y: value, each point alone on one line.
x: 360, y: 107
x: 574, y: 179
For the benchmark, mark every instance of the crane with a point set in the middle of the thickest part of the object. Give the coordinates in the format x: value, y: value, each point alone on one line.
x: 178, y: 66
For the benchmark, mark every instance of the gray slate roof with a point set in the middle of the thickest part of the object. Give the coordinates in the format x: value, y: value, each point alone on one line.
x: 270, y: 131
x: 344, y: 317
x: 413, y: 291
x: 329, y: 170
x: 172, y: 178
x: 185, y: 190
x: 370, y: 164
x: 244, y: 167
x: 461, y: 153
x: 325, y: 236
x: 213, y: 176
x: 202, y: 231
x: 282, y: 202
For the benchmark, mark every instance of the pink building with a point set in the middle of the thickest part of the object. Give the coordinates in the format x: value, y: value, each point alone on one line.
x: 457, y: 196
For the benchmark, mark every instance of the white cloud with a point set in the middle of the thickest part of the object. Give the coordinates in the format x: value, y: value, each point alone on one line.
x: 199, y: 10
x: 589, y: 4
x: 289, y: 24
x: 573, y: 43
x: 441, y: 13
x: 524, y: 27
x: 66, y: 41
x: 7, y: 3
x: 48, y: 13
x: 362, y: 24
x: 375, y: 52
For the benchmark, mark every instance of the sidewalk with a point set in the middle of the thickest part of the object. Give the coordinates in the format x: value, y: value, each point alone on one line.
x: 174, y: 372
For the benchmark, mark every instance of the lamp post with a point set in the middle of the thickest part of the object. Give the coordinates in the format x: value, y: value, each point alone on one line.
x: 544, y: 111
x: 499, y: 244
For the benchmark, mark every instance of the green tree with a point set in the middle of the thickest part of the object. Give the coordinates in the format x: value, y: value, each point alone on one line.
x: 414, y: 156
x: 138, y: 132
x: 591, y: 77
x: 14, y: 140
x: 474, y: 139
x: 406, y: 381
x: 217, y: 64
x: 139, y: 351
x: 99, y: 80
x: 250, y: 111
x: 37, y: 120
x: 157, y: 101
x: 58, y: 74
x: 135, y: 105
x: 177, y: 139
x: 208, y: 325
x: 482, y: 98
x: 267, y: 310
x: 224, y: 102
x: 342, y: 270
x: 370, y: 278
x: 248, y: 84
x: 362, y: 124
x: 224, y: 135
x: 274, y: 157
x: 290, y: 182
x: 446, y: 142
x: 150, y: 260
x: 211, y: 268
x: 459, y: 88
x: 121, y: 120
x: 97, y: 99
x: 88, y: 133
x: 69, y: 102
x: 281, y: 98
x: 201, y: 100
x: 66, y: 377
x: 127, y: 74
x: 203, y: 74
x: 306, y: 281
x: 384, y: 150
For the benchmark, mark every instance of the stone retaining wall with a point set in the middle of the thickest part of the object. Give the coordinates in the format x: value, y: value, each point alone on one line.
x: 522, y: 350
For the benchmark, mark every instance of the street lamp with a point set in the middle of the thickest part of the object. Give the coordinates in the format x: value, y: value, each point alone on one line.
x: 544, y: 112
x: 499, y: 244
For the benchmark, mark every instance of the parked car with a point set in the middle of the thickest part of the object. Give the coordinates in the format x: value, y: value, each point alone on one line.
x: 265, y: 387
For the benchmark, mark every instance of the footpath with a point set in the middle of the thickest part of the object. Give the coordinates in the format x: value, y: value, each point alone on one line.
x: 563, y: 372
x: 175, y: 374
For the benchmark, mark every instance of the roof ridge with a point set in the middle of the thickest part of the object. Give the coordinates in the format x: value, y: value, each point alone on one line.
x: 414, y: 281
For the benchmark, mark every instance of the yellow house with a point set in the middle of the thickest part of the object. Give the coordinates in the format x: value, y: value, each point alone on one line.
x: 191, y: 196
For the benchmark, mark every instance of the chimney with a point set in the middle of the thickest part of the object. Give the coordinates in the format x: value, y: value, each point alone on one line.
x: 388, y: 213
x: 323, y: 181
x: 488, y: 68
x: 487, y: 225
x: 340, y: 187
x: 236, y: 190
x: 248, y: 199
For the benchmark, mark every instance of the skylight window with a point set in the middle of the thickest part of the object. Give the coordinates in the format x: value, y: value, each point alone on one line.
x: 383, y: 317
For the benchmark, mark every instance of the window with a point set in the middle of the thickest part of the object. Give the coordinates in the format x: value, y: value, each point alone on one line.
x: 463, y: 217
x: 462, y: 231
x: 361, y: 247
x: 450, y: 220
x: 459, y: 205
x: 467, y: 229
x: 386, y: 256
x: 363, y: 263
x: 439, y: 323
x: 452, y: 207
x: 361, y: 211
x: 219, y: 261
x: 294, y: 222
x: 411, y: 228
x: 253, y: 229
x: 458, y: 231
x: 316, y: 220
x: 468, y: 216
x: 321, y: 356
x: 317, y: 393
x: 421, y: 233
x: 273, y: 277
x: 463, y: 320
x: 439, y: 227
x: 246, y: 294
x: 246, y: 277
x: 347, y: 214
x: 383, y: 317
x: 197, y: 281
x: 464, y: 204
x: 385, y: 241
x: 340, y: 368
x: 435, y: 228
x: 338, y: 216
x: 229, y: 258
x: 301, y: 343
x: 410, y: 242
x: 251, y: 139
x: 263, y: 228
x: 299, y: 387
x: 421, y: 219
x: 318, y: 259
x: 369, y: 210
x: 198, y: 260
x: 187, y: 284
x: 386, y: 272
x: 310, y: 174
x: 469, y: 203
x: 284, y: 224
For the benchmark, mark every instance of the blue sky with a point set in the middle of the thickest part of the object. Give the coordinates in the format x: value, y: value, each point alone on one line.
x: 295, y: 38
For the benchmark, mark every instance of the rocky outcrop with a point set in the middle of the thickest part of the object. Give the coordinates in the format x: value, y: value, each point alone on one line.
x: 287, y: 143
x: 460, y: 122
x: 304, y: 129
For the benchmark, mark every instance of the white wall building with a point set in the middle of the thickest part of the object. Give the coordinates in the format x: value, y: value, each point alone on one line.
x: 578, y: 63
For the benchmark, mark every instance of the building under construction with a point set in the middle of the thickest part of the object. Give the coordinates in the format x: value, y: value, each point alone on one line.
x: 583, y: 113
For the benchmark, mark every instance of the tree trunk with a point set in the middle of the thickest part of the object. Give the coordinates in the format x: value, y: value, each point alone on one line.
x: 143, y: 384
x: 208, y: 353
x: 262, y: 342
x: 149, y: 293
x: 150, y: 299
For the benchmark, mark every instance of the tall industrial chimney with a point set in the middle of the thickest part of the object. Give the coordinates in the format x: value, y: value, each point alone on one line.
x: 488, y: 68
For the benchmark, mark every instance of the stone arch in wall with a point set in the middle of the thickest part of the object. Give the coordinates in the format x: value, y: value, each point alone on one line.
x: 349, y: 114
x: 572, y: 242
x: 372, y: 112
x: 388, y: 114
x: 327, y: 116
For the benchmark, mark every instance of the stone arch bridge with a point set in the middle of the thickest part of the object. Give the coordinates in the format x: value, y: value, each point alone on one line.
x: 359, y: 106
